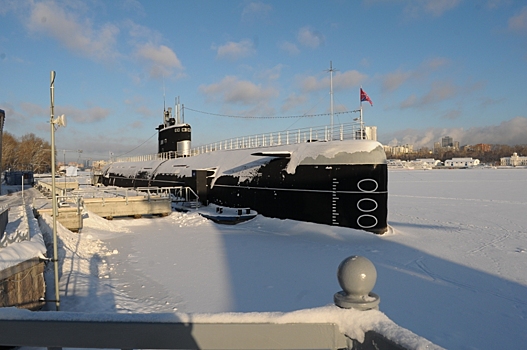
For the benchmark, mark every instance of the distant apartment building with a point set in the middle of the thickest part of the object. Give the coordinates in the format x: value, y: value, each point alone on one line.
x: 398, y: 150
x: 482, y: 147
x: 447, y: 141
x: 513, y: 160
x: 461, y: 162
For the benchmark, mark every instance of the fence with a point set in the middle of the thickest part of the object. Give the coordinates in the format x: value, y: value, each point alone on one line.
x: 356, y: 275
x: 87, y: 331
x: 340, y: 132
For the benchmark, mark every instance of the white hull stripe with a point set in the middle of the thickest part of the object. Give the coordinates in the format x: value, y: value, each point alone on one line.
x: 300, y: 190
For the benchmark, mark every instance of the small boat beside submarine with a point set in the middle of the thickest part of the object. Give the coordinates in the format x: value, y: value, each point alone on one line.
x: 227, y: 215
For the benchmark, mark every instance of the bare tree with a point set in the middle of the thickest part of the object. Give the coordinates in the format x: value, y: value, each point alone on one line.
x: 9, y: 149
x: 28, y: 153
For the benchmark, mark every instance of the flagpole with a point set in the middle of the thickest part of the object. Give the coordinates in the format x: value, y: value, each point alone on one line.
x: 361, y: 123
x: 363, y: 97
x: 331, y: 98
x: 331, y: 70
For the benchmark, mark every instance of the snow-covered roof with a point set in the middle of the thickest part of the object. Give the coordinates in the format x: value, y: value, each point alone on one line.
x: 18, y: 248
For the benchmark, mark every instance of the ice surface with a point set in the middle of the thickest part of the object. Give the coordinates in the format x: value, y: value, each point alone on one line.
x: 452, y: 268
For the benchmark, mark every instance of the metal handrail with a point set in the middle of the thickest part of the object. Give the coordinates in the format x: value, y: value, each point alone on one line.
x: 356, y: 276
x: 339, y: 132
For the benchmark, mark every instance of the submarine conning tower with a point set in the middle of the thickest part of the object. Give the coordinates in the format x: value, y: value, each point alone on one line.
x: 173, y: 136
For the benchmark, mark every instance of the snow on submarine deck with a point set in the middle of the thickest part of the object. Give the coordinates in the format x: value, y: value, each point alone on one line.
x: 341, y: 183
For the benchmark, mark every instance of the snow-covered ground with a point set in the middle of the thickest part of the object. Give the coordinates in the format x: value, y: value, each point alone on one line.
x: 452, y: 270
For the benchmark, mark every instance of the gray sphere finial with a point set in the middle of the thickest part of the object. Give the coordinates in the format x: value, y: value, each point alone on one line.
x: 357, y: 276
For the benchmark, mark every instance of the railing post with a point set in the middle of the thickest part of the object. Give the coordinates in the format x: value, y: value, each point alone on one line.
x: 357, y: 276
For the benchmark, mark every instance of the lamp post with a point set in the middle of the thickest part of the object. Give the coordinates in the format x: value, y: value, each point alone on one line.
x: 59, y: 121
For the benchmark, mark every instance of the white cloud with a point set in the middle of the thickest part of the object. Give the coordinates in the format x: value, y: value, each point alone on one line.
x: 452, y: 114
x: 292, y: 101
x: 162, y: 59
x: 290, y: 48
x: 272, y: 73
x: 80, y: 36
x: 30, y: 114
x: 83, y: 116
x: 410, y: 101
x: 348, y: 79
x: 75, y: 34
x: 518, y: 23
x: 510, y: 132
x: 132, y: 6
x: 234, y: 51
x: 392, y: 81
x: 140, y: 33
x: 434, y: 63
x: 161, y: 55
x: 438, y: 7
x: 9, y: 5
x: 494, y: 4
x: 310, y: 38
x: 27, y: 113
x: 440, y: 91
x: 341, y: 81
x: 254, y: 10
x: 232, y: 90
x: 433, y: 7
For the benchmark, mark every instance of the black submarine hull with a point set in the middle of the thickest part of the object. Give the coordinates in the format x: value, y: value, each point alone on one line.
x: 339, y: 183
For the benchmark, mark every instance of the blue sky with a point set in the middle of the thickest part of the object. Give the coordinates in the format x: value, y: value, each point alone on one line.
x: 431, y: 67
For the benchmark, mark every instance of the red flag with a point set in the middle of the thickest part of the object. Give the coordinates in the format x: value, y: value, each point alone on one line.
x: 364, y: 97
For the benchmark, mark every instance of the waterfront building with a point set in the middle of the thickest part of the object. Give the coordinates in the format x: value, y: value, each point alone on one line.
x: 430, y: 161
x: 461, y: 162
x: 514, y: 160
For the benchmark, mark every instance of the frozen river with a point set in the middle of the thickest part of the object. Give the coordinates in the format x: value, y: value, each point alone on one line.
x: 452, y: 270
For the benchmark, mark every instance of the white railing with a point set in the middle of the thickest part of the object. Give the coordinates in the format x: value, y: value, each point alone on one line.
x: 147, y: 157
x: 342, y: 327
x: 339, y: 132
x: 88, y: 331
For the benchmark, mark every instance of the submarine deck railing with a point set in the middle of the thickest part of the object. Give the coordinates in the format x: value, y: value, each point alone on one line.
x: 339, y: 132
